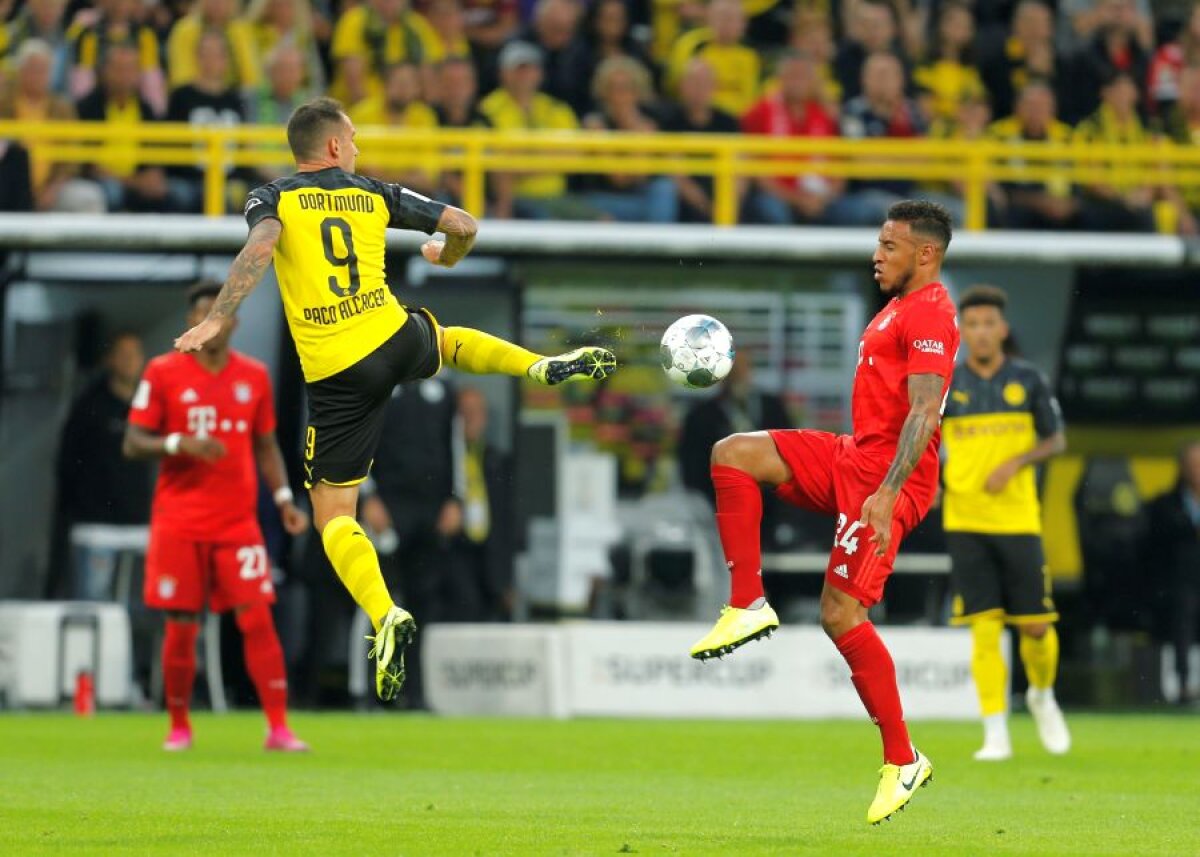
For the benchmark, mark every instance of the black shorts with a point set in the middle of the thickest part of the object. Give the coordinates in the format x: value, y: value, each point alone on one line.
x: 345, y: 411
x: 999, y: 575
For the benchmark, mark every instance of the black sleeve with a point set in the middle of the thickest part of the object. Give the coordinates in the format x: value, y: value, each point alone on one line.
x: 1047, y: 415
x: 408, y: 209
x: 261, y: 203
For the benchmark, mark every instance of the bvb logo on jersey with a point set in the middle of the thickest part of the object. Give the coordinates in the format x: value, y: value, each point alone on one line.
x: 1014, y: 394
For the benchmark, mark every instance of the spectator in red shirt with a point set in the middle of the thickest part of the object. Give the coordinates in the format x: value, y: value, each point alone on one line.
x: 1166, y: 68
x: 796, y: 110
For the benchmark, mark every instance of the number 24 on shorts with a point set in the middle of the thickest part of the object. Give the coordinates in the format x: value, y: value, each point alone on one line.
x: 847, y: 541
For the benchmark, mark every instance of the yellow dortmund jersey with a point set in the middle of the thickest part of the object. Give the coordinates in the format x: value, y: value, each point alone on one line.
x: 987, y: 422
x: 330, y: 260
x: 546, y: 113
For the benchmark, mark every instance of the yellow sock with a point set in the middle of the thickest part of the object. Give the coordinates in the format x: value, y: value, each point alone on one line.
x: 356, y: 563
x: 987, y: 665
x: 481, y: 353
x: 1040, y: 658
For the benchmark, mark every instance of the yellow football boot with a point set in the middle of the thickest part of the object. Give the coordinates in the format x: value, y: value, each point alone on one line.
x: 736, y: 627
x: 387, y: 648
x: 897, y: 785
x: 589, y: 362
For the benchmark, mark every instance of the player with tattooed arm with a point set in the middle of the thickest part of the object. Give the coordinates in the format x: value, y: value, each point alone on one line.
x: 879, y: 482
x: 325, y: 228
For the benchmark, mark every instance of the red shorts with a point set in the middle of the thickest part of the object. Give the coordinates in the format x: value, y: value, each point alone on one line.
x: 830, y: 475
x: 183, y: 574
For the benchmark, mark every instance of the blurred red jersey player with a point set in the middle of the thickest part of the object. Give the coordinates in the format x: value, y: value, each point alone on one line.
x: 878, y: 482
x: 209, y: 417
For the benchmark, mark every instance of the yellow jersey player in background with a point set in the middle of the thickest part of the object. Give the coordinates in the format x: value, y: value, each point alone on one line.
x: 325, y: 228
x: 1001, y: 419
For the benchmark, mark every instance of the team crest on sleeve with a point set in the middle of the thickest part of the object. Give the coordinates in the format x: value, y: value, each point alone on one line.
x: 883, y: 324
x: 243, y: 392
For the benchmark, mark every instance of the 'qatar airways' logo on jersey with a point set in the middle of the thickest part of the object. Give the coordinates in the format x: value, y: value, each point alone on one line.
x: 930, y: 346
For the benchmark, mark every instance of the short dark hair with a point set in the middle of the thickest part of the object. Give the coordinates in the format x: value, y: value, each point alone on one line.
x: 983, y: 296
x: 925, y: 217
x: 117, y: 337
x: 201, y: 290
x: 310, y: 124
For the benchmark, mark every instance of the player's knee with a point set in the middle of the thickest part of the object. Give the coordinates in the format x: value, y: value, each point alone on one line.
x: 836, y: 618
x: 253, y: 617
x: 1035, y: 631
x: 737, y: 450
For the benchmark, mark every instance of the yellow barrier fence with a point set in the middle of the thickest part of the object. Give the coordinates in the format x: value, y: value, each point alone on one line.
x: 476, y: 152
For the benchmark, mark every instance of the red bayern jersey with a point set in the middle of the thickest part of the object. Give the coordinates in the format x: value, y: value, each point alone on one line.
x: 913, y: 335
x: 214, y: 502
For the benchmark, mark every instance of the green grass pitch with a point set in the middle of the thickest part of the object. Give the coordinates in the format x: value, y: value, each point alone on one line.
x: 391, y: 784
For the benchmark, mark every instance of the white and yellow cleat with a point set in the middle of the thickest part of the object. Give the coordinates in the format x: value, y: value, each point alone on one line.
x: 1051, y: 725
x: 387, y: 648
x: 897, y: 785
x: 590, y: 361
x: 736, y: 627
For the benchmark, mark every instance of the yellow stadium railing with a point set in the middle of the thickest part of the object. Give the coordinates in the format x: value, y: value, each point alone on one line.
x: 477, y: 152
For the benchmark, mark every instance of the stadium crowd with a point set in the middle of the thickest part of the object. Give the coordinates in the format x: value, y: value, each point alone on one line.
x: 1117, y: 72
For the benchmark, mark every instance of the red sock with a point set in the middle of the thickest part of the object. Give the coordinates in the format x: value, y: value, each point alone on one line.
x: 874, y: 677
x: 739, y: 522
x: 179, y: 669
x: 264, y: 662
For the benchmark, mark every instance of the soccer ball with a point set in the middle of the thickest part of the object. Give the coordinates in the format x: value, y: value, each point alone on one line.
x: 697, y: 351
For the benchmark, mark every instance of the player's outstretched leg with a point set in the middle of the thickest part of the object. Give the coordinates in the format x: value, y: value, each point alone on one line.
x: 357, y: 565
x: 480, y: 353
x: 738, y: 464
x: 264, y: 663
x: 1039, y: 654
x: 179, y: 673
x: 991, y: 681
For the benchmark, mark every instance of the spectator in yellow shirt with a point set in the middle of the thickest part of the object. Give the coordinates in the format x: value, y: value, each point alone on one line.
x: 1036, y: 204
x: 720, y: 45
x: 371, y: 37
x: 950, y: 74
x: 56, y: 185
x: 1122, y: 202
x: 276, y: 22
x: 128, y: 184
x: 116, y: 23
x: 184, y: 42
x: 518, y: 105
x: 399, y: 106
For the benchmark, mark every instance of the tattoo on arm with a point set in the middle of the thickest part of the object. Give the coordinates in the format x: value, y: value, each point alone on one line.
x: 925, y: 401
x: 460, y: 229
x: 247, y: 268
